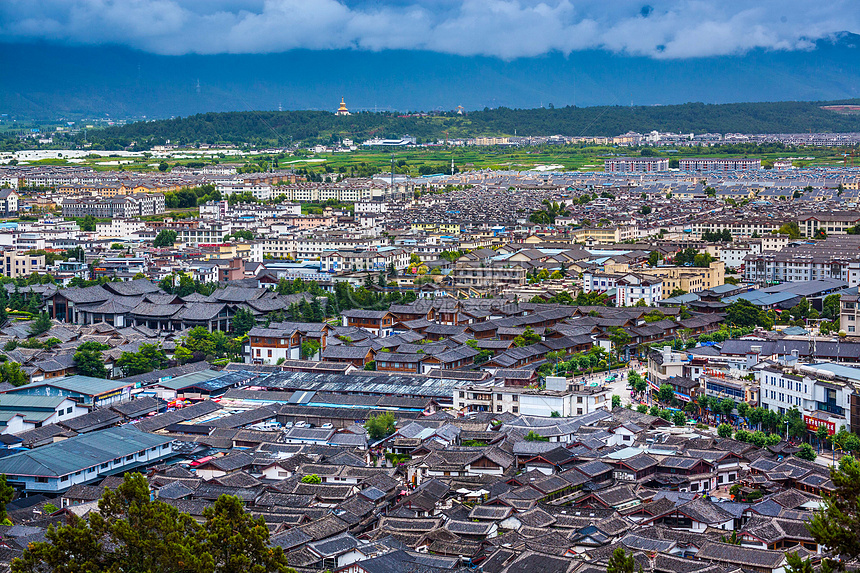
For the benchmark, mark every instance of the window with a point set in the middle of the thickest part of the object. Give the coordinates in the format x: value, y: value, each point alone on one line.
x: 515, y: 398
x: 579, y: 411
x: 62, y: 479
x: 69, y: 409
x: 499, y: 408
x: 515, y: 409
x: 129, y: 458
x: 579, y: 399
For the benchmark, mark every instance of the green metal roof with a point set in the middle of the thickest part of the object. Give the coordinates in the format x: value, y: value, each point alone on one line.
x: 13, y: 402
x: 79, y: 384
x: 190, y: 379
x: 81, y: 452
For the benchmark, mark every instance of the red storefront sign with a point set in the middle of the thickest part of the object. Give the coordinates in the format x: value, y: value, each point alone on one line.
x: 812, y: 424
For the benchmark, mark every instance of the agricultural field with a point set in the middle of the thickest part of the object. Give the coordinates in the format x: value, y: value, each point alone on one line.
x: 422, y: 161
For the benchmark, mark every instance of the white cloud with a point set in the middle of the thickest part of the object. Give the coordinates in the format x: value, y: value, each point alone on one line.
x: 501, y: 28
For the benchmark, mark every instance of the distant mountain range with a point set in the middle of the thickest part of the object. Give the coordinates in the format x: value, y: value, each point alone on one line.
x: 50, y: 82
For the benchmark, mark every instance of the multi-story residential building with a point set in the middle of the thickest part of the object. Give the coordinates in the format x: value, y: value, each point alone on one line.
x: 690, y: 279
x: 827, y: 394
x: 721, y: 164
x: 273, y: 345
x: 377, y: 322
x: 636, y: 164
x: 742, y: 229
x: 802, y: 265
x: 119, y: 228
x: 259, y: 192
x: 833, y: 223
x: 279, y: 247
x: 371, y: 207
x: 600, y: 235
x: 665, y: 364
x: 378, y: 261
x: 121, y: 206
x: 559, y: 396
x: 733, y: 255
x: 16, y: 264
x: 849, y: 314
x: 311, y: 247
x: 723, y: 385
x: 207, y: 232
x: 630, y: 288
x: 8, y: 202
x: 485, y: 276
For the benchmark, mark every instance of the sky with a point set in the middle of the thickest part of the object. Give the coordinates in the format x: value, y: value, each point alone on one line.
x: 670, y: 38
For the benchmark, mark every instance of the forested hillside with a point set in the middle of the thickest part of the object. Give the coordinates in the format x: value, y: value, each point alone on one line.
x: 282, y: 128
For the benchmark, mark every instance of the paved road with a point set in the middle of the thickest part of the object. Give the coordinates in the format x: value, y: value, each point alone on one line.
x: 619, y: 386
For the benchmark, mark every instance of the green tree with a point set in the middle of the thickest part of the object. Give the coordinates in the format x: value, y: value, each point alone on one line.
x: 41, y: 324
x: 616, y: 401
x: 163, y: 166
x: 243, y: 321
x: 483, y: 356
x: 380, y: 426
x: 795, y: 564
x: 724, y: 431
x: 822, y: 433
x: 743, y: 436
x: 619, y: 339
x: 830, y: 306
x: 678, y: 418
x: 642, y: 409
x: 11, y: 372
x: 311, y: 478
x: 533, y: 436
x: 527, y: 337
x: 90, y: 362
x: 165, y: 238
x: 182, y: 355
x: 130, y: 532
x: 88, y: 223
x: 791, y: 229
x: 835, y: 527
x: 7, y: 492
x: 745, y: 314
x: 666, y: 393
x: 759, y: 439
x: 310, y: 348
x: 796, y: 425
x: 636, y: 381
x: 654, y: 258
x: 620, y: 562
x: 806, y: 452
x: 150, y: 357
x: 235, y: 542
